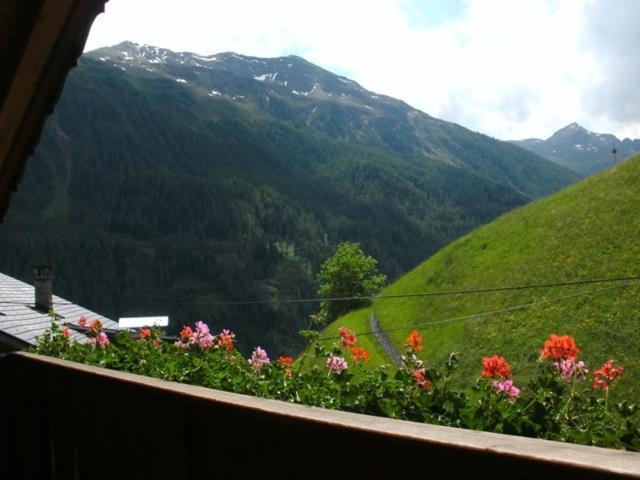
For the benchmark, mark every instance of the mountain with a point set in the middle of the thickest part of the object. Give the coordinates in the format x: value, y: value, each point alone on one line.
x: 586, y: 231
x: 580, y: 150
x: 170, y: 183
x: 311, y: 98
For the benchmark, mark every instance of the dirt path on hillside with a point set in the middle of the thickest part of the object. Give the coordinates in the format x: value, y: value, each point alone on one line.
x: 385, y: 341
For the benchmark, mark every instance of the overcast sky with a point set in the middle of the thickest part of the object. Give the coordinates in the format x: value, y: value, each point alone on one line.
x: 508, y: 68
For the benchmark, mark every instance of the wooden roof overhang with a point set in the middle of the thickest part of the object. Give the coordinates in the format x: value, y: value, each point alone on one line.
x: 40, y: 41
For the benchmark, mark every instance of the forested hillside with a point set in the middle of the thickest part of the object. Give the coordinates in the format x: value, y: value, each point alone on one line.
x: 149, y: 197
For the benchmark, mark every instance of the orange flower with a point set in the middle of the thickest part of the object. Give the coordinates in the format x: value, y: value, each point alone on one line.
x: 347, y: 337
x: 560, y: 348
x: 226, y: 339
x: 605, y: 375
x: 495, y: 367
x: 284, y: 360
x: 421, y: 379
x: 359, y: 354
x: 186, y: 333
x: 144, y: 333
x: 415, y: 341
x: 96, y: 326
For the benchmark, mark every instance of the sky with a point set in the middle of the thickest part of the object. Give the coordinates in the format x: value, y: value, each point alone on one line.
x: 511, y: 69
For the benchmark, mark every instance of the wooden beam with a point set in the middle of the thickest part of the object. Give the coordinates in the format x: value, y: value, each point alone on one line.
x: 110, y: 424
x: 52, y: 49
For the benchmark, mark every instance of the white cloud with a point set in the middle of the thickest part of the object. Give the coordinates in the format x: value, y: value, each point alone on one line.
x: 508, y: 69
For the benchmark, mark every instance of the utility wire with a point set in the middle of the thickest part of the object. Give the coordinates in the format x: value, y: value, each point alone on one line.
x: 363, y: 297
x: 477, y: 316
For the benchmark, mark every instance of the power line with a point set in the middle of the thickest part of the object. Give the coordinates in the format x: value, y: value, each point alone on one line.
x: 353, y: 298
x: 476, y: 316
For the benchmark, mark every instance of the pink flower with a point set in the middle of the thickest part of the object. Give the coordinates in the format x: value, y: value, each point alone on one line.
x: 202, y: 328
x: 569, y: 368
x: 507, y: 387
x: 259, y: 358
x: 336, y: 364
x: 202, y: 337
x: 100, y: 340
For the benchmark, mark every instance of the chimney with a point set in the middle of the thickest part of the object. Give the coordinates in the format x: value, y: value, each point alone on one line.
x: 43, y: 280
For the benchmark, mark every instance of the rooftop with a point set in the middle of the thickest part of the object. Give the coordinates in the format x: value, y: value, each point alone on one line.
x: 23, y: 323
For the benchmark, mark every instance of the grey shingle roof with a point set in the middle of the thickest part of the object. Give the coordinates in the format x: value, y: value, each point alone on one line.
x: 19, y: 319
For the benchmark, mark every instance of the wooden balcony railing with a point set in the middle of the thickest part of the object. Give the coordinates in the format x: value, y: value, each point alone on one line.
x: 62, y: 420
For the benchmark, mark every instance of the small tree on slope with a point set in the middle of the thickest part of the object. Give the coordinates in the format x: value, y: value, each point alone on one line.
x: 347, y: 273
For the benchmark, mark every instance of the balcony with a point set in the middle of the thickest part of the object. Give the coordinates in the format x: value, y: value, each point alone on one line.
x: 64, y: 420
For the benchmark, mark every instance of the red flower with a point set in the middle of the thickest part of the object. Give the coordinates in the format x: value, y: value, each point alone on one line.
x: 605, y: 375
x: 415, y: 341
x: 66, y: 333
x: 286, y: 362
x: 359, y: 354
x: 225, y: 339
x: 347, y: 337
x: 144, y: 333
x: 495, y: 367
x: 186, y: 333
x: 95, y: 327
x: 83, y: 321
x: 560, y: 348
x: 421, y: 379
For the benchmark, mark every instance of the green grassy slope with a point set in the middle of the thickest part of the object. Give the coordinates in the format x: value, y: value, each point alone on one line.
x: 589, y: 230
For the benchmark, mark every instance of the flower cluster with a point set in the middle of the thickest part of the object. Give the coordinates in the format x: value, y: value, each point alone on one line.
x: 203, y: 339
x: 94, y: 331
x: 571, y: 368
x: 411, y: 362
x: 498, y: 370
x: 560, y: 347
x: 605, y: 375
x: 359, y: 354
x: 144, y: 334
x: 508, y: 388
x: 336, y: 364
x: 414, y: 341
x: 421, y: 378
x: 348, y: 341
x: 495, y: 367
x: 258, y: 359
x: 564, y: 351
x: 287, y: 363
x: 226, y: 340
x: 347, y: 337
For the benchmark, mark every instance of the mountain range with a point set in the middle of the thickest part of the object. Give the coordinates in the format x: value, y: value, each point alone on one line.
x: 582, y: 151
x: 174, y: 183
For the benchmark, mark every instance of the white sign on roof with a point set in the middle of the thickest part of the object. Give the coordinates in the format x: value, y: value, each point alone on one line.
x: 138, y: 322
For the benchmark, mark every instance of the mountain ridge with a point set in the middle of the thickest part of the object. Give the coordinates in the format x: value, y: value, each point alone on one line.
x: 581, y: 150
x: 316, y: 99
